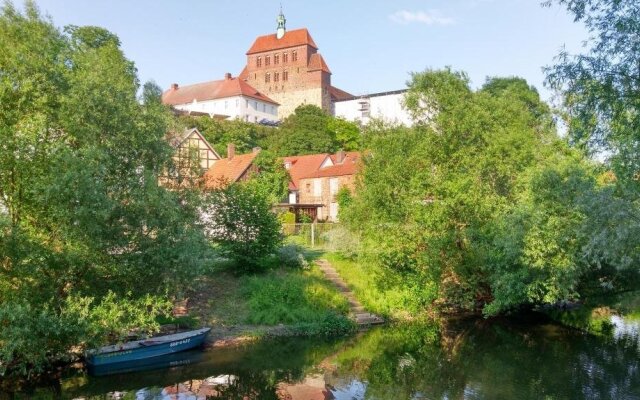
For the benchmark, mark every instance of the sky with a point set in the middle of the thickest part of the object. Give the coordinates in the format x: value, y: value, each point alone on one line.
x: 370, y: 45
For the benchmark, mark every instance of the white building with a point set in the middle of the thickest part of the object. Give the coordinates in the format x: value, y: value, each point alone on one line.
x: 228, y: 98
x: 387, y: 106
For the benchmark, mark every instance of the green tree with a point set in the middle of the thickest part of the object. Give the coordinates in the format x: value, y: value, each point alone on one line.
x: 79, y: 169
x: 271, y: 178
x: 601, y: 87
x: 306, y: 131
x: 238, y: 219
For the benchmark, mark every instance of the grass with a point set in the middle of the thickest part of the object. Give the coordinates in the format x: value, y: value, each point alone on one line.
x: 366, y: 281
x: 282, y: 296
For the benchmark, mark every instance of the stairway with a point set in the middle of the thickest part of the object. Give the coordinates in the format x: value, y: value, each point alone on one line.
x: 361, y: 316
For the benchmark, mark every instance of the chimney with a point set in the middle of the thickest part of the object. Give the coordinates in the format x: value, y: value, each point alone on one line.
x: 340, y: 155
x: 174, y: 86
x: 231, y: 151
x: 256, y: 149
x: 227, y: 76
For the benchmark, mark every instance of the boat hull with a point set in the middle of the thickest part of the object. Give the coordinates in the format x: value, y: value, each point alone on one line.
x: 149, y: 349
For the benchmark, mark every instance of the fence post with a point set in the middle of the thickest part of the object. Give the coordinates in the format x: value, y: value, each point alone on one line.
x: 313, y: 235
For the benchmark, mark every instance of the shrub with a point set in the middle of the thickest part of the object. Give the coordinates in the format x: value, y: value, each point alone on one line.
x: 291, y: 255
x: 240, y: 221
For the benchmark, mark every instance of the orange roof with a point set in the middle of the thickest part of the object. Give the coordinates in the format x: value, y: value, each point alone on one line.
x: 297, y: 37
x: 309, y: 166
x: 211, y: 90
x: 228, y: 170
x: 339, y: 94
x: 316, y: 62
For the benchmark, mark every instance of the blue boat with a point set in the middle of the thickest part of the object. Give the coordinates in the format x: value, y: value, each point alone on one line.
x: 146, y: 349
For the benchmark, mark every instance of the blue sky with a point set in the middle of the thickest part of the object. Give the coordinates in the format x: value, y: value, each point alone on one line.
x: 370, y: 46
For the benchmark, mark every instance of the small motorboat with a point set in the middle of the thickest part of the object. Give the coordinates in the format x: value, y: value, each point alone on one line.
x: 147, y: 348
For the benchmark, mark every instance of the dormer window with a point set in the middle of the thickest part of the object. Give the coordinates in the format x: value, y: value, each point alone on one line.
x: 259, y: 61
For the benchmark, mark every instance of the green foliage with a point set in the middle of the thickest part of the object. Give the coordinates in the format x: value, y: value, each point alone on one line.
x: 481, y: 203
x: 79, y: 171
x: 240, y: 222
x: 305, y: 131
x: 292, y: 256
x: 304, y: 297
x: 244, y: 135
x: 346, y: 133
x: 601, y: 87
x: 271, y: 179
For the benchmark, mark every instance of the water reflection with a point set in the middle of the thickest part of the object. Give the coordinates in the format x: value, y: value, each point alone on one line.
x: 465, y: 359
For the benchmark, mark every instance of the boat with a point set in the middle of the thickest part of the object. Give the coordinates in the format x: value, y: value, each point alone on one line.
x: 146, y: 348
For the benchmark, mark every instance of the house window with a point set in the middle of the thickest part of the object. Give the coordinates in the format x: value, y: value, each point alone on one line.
x: 285, y: 57
x: 267, y: 77
x: 267, y: 60
x: 285, y: 75
x: 226, y: 104
x: 294, y: 55
x: 259, y: 61
x: 264, y: 107
x: 247, y: 105
x: 276, y: 76
x: 276, y: 59
x: 237, y: 103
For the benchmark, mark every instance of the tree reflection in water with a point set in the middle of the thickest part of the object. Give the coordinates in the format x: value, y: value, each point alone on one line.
x: 455, y: 359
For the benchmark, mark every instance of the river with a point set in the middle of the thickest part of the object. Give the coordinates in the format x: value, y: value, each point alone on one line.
x: 527, y: 357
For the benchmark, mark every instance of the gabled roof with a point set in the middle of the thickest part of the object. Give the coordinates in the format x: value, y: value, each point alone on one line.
x: 212, y: 90
x: 310, y: 166
x: 316, y: 62
x: 297, y: 37
x: 228, y: 170
x: 176, y: 139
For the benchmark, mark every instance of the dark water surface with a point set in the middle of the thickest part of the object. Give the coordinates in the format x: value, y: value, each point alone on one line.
x: 525, y: 358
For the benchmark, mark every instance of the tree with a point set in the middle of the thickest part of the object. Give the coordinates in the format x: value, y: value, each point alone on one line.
x: 239, y: 220
x: 428, y: 196
x: 79, y: 168
x: 601, y: 88
x: 306, y: 131
x: 271, y: 178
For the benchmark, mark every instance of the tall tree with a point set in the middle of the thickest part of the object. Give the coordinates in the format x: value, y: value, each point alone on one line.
x: 601, y: 87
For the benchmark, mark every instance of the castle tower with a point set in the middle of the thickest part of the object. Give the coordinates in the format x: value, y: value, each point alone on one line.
x: 287, y: 67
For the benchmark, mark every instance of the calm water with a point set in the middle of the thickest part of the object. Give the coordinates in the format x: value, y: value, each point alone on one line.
x: 472, y: 359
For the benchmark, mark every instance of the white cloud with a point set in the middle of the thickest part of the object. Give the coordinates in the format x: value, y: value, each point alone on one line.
x: 430, y: 17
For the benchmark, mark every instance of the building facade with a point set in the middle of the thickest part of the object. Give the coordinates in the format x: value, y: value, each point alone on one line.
x: 193, y: 156
x: 288, y: 68
x: 229, y: 98
x: 387, y: 106
x: 316, y: 180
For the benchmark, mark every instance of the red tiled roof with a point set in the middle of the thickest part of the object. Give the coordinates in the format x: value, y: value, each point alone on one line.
x: 303, y: 167
x: 297, y: 37
x: 212, y: 90
x: 228, y: 171
x: 339, y: 94
x: 316, y: 62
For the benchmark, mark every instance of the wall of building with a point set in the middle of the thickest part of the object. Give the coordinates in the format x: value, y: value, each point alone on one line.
x: 324, y: 194
x: 386, y: 106
x: 242, y: 107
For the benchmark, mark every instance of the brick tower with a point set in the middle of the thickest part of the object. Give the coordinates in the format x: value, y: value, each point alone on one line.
x: 287, y: 67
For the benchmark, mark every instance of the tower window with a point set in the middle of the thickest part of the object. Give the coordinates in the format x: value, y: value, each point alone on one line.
x: 267, y: 60
x: 285, y: 57
x: 276, y: 59
x: 294, y: 55
x: 267, y: 77
x: 285, y: 75
x: 258, y: 61
x: 276, y: 76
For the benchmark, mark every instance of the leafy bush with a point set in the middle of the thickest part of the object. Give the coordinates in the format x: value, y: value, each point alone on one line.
x: 291, y: 255
x: 239, y: 220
